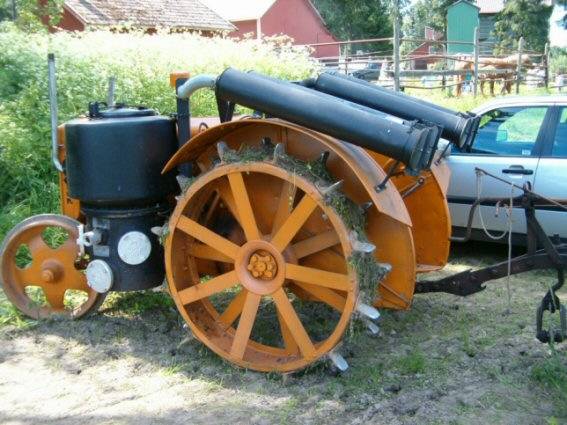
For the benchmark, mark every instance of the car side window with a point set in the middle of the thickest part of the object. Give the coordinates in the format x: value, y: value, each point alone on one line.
x: 509, y: 131
x: 560, y: 141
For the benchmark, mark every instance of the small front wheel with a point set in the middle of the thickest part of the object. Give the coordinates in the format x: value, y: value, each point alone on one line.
x: 39, y: 272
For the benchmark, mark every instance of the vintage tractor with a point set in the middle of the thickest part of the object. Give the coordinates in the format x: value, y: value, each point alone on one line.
x: 278, y: 227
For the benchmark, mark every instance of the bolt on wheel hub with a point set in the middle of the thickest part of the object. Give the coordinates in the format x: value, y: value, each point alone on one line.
x: 262, y: 265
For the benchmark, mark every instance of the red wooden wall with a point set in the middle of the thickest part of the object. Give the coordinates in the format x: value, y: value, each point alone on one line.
x: 297, y: 19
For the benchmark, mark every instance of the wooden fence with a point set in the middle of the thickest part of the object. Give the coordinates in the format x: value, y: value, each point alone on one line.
x: 400, y: 77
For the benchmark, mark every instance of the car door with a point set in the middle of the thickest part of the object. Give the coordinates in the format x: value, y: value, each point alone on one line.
x: 551, y: 175
x: 508, y: 145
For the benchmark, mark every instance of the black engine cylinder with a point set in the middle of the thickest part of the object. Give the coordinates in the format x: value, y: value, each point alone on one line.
x: 457, y: 127
x: 409, y: 142
x: 115, y: 157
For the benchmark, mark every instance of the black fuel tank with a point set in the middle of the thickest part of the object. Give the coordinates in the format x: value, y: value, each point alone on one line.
x: 115, y: 157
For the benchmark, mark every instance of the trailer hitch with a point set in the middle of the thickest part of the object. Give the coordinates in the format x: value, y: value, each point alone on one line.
x: 551, y: 255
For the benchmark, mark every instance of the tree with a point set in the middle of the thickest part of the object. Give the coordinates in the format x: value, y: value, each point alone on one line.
x: 564, y: 4
x: 31, y: 15
x: 522, y: 18
x: 426, y: 13
x: 6, y: 10
x: 357, y: 19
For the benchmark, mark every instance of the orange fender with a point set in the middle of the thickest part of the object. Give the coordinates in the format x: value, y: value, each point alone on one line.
x: 429, y: 212
x: 388, y: 224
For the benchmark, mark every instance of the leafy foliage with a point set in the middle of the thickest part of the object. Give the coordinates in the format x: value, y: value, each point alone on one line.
x: 31, y: 15
x: 141, y: 65
x: 558, y: 60
x: 564, y: 4
x: 358, y: 19
x: 523, y: 18
x: 426, y: 13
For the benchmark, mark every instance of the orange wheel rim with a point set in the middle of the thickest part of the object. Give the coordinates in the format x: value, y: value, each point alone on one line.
x: 52, y: 269
x: 231, y: 281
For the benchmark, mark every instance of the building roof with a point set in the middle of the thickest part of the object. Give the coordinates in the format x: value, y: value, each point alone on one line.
x: 469, y: 3
x: 182, y: 14
x: 490, y: 6
x: 240, y: 10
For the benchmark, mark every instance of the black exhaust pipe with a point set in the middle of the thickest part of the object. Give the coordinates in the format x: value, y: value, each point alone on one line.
x: 412, y: 143
x: 457, y: 127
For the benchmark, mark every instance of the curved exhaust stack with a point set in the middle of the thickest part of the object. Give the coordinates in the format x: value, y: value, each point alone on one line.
x: 203, y: 81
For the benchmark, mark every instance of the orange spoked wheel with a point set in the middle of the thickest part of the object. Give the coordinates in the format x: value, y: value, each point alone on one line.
x: 38, y: 269
x: 246, y: 239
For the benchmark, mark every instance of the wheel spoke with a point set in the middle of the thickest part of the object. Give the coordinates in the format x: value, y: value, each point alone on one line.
x: 234, y: 309
x: 54, y: 297
x: 294, y: 222
x: 325, y: 295
x: 284, y: 205
x: 206, y: 289
x: 208, y: 237
x: 206, y: 252
x: 38, y: 246
x: 28, y: 276
x: 245, y: 325
x: 228, y: 199
x: 243, y: 206
x: 289, y: 343
x: 76, y: 280
x: 293, y: 323
x: 318, y: 277
x: 315, y: 244
x: 212, y: 208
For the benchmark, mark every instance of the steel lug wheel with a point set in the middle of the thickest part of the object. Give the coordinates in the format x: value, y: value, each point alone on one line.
x: 257, y: 264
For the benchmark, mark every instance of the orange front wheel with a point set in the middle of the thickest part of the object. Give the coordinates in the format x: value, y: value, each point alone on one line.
x: 38, y: 269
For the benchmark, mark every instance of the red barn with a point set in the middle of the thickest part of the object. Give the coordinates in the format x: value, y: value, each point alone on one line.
x: 177, y: 15
x: 298, y: 19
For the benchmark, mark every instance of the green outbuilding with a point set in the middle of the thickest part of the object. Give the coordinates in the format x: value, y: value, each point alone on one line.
x: 462, y: 19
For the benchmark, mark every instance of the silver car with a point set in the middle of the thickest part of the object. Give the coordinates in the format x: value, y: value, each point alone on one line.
x: 521, y: 139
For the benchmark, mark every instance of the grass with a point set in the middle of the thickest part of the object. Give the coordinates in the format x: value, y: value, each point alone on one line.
x: 412, y: 363
x: 11, y: 316
x: 551, y: 375
x: 138, y: 302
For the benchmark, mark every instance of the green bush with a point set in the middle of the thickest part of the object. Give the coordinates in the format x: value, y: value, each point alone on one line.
x: 85, y: 61
x: 558, y: 61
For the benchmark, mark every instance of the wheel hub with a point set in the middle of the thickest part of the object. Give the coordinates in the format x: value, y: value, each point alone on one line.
x: 262, y: 265
x: 51, y: 271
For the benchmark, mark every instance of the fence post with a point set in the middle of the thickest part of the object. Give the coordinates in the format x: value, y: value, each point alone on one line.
x: 396, y: 49
x: 347, y: 51
x: 519, y: 65
x: 546, y: 65
x: 476, y: 53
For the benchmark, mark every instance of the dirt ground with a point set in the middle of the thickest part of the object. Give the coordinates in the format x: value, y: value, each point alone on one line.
x: 446, y: 361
